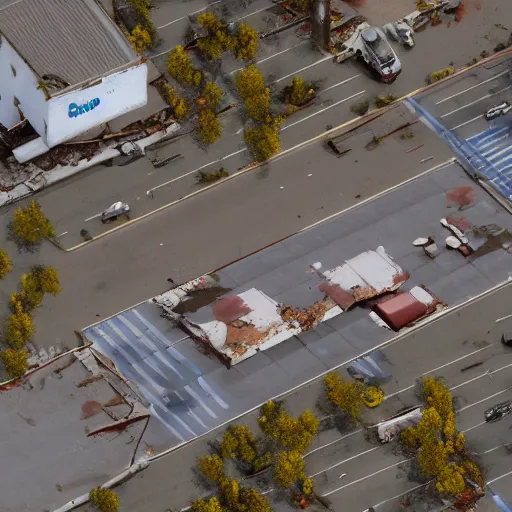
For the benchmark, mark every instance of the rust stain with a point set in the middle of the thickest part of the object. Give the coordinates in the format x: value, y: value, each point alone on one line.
x: 419, y: 146
x: 229, y: 309
x: 119, y: 426
x: 460, y: 12
x: 400, y: 278
x: 90, y: 408
x: 341, y: 297
x: 461, y: 196
x: 459, y: 222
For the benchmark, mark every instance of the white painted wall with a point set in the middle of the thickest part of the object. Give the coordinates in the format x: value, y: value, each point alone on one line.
x: 76, y: 112
x: 21, y: 83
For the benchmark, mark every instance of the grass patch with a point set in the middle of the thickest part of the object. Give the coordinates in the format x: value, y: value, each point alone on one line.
x: 210, y: 177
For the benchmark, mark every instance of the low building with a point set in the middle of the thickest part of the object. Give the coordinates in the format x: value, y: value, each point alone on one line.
x: 66, y: 69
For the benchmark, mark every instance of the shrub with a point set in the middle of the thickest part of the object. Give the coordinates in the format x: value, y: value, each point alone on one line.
x: 360, y: 108
x: 218, y: 39
x: 140, y: 39
x: 211, y: 47
x: 230, y: 494
x: 262, y: 462
x: 212, y: 467
x: 263, y: 141
x: 43, y: 279
x: 174, y: 100
x: 450, y: 480
x: 239, y: 443
x: 372, y: 396
x: 105, y: 500
x: 438, y: 395
x: 432, y: 457
x: 20, y: 328
x: 439, y: 75
x: 308, y: 486
x: 345, y: 395
x: 298, y: 92
x: 460, y: 443
x: 5, y: 264
x: 212, y: 94
x: 249, y: 82
x: 15, y: 362
x: 209, y: 177
x: 180, y: 67
x: 247, y: 42
x: 30, y: 226
x: 253, y: 501
x: 142, y: 7
x: 384, y: 100
x: 288, y: 468
x: 430, y: 424
x: 409, y: 437
x: 208, y: 126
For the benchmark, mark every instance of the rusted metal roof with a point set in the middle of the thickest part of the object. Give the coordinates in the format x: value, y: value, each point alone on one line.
x: 400, y: 310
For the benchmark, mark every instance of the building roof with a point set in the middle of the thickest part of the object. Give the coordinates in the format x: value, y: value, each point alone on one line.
x: 72, y: 40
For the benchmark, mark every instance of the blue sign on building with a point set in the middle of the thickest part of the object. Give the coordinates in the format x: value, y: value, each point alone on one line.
x: 77, y: 110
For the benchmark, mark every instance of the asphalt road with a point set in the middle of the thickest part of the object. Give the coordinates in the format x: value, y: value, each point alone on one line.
x: 281, y: 58
x: 210, y: 230
x: 443, y: 348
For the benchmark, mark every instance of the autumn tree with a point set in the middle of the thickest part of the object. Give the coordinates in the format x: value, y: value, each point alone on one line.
x: 208, y: 126
x: 140, y: 39
x: 41, y: 280
x: 248, y: 42
x: 212, y: 95
x: 5, y: 264
x: 450, y: 480
x: 308, y: 486
x: 30, y: 226
x: 345, y: 395
x: 298, y: 92
x: 15, y: 362
x: 294, y: 434
x: 258, y: 106
x: 180, y: 67
x: 211, y: 505
x: 432, y: 457
x: 105, y: 500
x: 20, y: 328
x: 174, y: 100
x: 236, y: 498
x: 212, y: 467
x: 253, y: 501
x: 218, y: 39
x: 438, y: 395
x: 249, y: 82
x: 239, y: 443
x: 263, y: 141
x: 288, y: 468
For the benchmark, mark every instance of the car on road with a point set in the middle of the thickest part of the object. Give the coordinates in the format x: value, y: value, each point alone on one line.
x: 498, y: 110
x: 378, y: 54
x: 506, y: 341
x: 498, y: 411
x: 115, y: 211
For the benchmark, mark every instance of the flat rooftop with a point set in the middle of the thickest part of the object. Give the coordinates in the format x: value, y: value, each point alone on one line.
x: 74, y: 41
x: 191, y: 391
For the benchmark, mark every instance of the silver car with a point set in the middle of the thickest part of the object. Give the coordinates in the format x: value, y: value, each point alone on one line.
x: 380, y: 56
x: 115, y: 211
x: 498, y: 110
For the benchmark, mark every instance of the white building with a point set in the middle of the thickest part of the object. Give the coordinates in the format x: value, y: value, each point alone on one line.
x: 67, y: 69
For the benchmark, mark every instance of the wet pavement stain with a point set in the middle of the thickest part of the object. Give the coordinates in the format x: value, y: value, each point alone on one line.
x: 90, y: 408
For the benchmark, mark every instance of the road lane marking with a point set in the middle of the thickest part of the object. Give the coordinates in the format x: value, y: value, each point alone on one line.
x: 467, y: 122
x: 338, y: 84
x: 273, y: 55
x: 366, y: 477
x: 399, y: 495
x: 151, y: 190
x: 303, y: 69
x: 323, y: 110
x: 484, y: 399
x: 189, y: 14
x: 473, y: 87
x: 253, y: 13
x: 475, y: 102
x: 498, y: 478
x: 343, y: 461
x: 332, y: 442
x: 93, y: 217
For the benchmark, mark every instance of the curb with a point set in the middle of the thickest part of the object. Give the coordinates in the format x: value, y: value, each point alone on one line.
x: 368, y: 117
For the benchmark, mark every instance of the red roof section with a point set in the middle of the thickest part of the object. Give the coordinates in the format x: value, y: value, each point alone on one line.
x: 230, y: 309
x: 400, y: 310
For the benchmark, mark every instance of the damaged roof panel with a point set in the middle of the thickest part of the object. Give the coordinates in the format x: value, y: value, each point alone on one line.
x: 400, y: 310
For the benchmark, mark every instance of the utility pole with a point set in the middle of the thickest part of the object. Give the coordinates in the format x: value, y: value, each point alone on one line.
x: 321, y: 23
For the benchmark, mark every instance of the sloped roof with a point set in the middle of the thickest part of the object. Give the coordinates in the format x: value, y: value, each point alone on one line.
x: 73, y: 40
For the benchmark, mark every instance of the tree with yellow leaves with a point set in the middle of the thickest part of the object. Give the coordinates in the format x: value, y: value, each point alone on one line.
x: 29, y: 226
x: 180, y: 67
x: 263, y: 141
x: 105, y: 500
x: 430, y: 424
x: 140, y: 39
x: 432, y: 457
x: 345, y: 395
x: 208, y: 126
x: 212, y: 94
x: 218, y: 39
x: 229, y: 491
x: 5, y: 264
x: 460, y: 443
x: 239, y: 443
x: 249, y: 82
x: 298, y: 92
x: 450, y: 480
x: 211, y: 505
x: 248, y: 42
x: 15, y: 362
x: 20, y: 328
x: 288, y: 468
x: 438, y: 396
x: 212, y: 467
x: 174, y: 100
x: 258, y: 106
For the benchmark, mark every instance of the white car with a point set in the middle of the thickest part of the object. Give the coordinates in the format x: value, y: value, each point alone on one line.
x: 379, y: 54
x: 498, y: 110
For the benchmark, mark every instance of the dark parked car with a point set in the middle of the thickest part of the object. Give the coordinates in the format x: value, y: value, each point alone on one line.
x: 506, y: 341
x: 498, y: 411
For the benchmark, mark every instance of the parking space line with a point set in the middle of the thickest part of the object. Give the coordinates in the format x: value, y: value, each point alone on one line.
x: 189, y: 14
x: 323, y: 110
x: 484, y: 400
x: 475, y: 102
x: 343, y: 461
x: 328, y: 57
x: 253, y: 13
x: 473, y: 87
x: 332, y: 442
x: 93, y: 217
x: 467, y: 122
x: 498, y: 478
x: 338, y: 84
x: 399, y: 495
